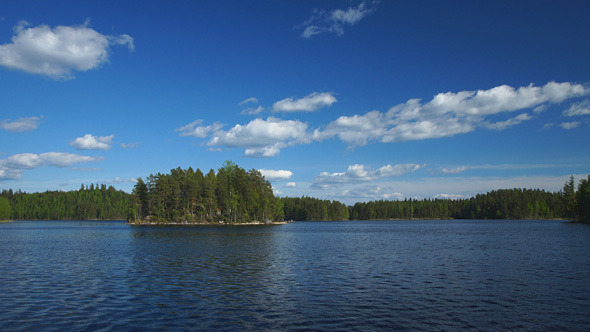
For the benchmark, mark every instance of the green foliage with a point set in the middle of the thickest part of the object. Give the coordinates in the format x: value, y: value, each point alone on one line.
x: 84, y: 204
x: 308, y: 209
x: 5, y: 209
x: 497, y: 204
x: 233, y: 195
x: 583, y: 200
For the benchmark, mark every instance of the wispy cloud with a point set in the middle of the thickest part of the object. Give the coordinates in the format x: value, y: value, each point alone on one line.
x: 90, y: 142
x: 359, y: 173
x: 501, y: 125
x: 570, y: 125
x: 252, y: 110
x: 117, y: 180
x: 248, y: 101
x: 58, y: 52
x: 308, y: 103
x: 454, y: 170
x: 334, y: 21
x: 196, y: 130
x: 130, y: 145
x: 440, y: 187
x: 21, y: 124
x: 581, y: 108
x: 13, y: 166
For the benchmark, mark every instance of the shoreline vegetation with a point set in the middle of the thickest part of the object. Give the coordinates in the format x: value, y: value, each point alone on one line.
x: 234, y: 196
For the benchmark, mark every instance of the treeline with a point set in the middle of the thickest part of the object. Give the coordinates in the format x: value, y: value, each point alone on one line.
x: 232, y: 195
x: 308, y: 209
x: 87, y: 203
x: 497, y: 204
x: 568, y: 203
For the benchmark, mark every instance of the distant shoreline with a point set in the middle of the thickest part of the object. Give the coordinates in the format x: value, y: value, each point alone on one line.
x: 165, y: 223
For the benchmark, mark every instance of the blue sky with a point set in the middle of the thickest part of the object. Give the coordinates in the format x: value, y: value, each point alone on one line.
x: 345, y: 100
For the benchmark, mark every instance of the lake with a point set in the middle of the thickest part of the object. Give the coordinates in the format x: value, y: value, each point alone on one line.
x: 486, y: 275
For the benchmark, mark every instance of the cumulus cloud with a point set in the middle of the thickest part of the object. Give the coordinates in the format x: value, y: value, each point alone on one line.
x: 448, y: 114
x: 196, y: 130
x: 570, y: 125
x: 260, y: 138
x: 58, y: 52
x: 334, y: 21
x: 90, y: 142
x: 13, y: 166
x: 276, y: 175
x: 308, y: 103
x: 359, y: 173
x: 581, y: 108
x: 21, y: 124
x: 290, y: 184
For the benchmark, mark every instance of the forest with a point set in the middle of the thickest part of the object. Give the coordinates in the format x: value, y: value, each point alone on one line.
x: 88, y: 203
x: 234, y: 195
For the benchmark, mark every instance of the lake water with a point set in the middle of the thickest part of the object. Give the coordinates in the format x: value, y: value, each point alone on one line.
x: 357, y: 275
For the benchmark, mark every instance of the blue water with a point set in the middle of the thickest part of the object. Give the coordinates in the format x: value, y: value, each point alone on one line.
x: 361, y: 275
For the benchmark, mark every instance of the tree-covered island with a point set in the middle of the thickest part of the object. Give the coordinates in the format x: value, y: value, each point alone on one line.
x: 233, y: 195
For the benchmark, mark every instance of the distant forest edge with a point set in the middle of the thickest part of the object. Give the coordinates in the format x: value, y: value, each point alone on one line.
x: 234, y: 195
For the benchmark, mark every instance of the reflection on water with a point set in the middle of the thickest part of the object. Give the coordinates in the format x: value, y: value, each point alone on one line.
x: 400, y: 275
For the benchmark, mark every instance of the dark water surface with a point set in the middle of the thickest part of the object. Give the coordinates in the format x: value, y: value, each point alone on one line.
x: 366, y: 276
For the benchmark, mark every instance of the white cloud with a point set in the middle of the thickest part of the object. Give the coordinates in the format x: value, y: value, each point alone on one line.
x: 252, y: 110
x: 448, y: 114
x: 358, y: 173
x: 196, y: 130
x: 119, y: 180
x: 13, y: 166
x: 309, y: 103
x: 260, y: 138
x: 454, y: 170
x: 264, y: 152
x: 570, y: 125
x: 90, y: 142
x: 290, y: 184
x: 366, y: 193
x: 451, y: 196
x: 581, y: 108
x: 334, y: 21
x: 248, y: 101
x: 57, y: 52
x: 501, y: 125
x: 21, y: 124
x: 60, y: 159
x: 276, y: 175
